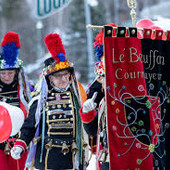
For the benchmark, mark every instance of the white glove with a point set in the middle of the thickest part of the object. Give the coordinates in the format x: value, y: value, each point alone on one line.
x: 16, y: 152
x: 89, y: 104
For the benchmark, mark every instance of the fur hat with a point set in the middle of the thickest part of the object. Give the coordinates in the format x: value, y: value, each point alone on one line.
x: 10, y: 49
x: 58, y: 61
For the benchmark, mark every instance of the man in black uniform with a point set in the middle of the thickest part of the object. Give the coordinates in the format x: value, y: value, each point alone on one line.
x: 54, y: 124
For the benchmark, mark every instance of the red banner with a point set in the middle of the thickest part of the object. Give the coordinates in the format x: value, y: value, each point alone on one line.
x: 133, y: 116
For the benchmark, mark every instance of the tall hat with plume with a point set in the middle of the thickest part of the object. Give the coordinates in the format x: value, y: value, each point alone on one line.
x: 10, y: 49
x: 58, y: 61
x: 9, y: 60
x: 98, y: 44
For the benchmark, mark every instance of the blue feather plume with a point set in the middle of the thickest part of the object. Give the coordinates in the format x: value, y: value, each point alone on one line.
x: 10, y: 53
x: 61, y: 56
x: 99, y: 52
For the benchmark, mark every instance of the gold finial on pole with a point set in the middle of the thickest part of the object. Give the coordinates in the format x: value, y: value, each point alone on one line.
x: 132, y: 5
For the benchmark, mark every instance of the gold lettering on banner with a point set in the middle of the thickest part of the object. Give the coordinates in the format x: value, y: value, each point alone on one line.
x: 134, y: 58
x: 121, y: 57
x: 151, y: 60
x: 152, y: 76
x: 120, y: 74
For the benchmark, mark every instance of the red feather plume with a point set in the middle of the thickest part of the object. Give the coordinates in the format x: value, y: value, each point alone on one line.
x: 11, y: 37
x: 54, y: 45
x: 99, y: 37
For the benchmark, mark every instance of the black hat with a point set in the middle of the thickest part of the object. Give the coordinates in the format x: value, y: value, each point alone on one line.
x: 58, y: 61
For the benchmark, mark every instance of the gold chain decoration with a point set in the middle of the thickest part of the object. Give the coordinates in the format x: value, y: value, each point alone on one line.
x: 132, y: 5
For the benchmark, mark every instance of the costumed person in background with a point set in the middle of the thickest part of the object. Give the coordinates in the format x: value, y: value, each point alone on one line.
x: 94, y: 121
x: 15, y: 92
x: 54, y: 125
x: 96, y: 85
x: 93, y: 111
x: 96, y: 88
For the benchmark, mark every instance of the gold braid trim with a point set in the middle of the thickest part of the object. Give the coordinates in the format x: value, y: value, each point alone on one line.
x: 46, y: 159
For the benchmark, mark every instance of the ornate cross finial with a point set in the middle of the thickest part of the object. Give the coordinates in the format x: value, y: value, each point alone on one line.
x: 132, y: 5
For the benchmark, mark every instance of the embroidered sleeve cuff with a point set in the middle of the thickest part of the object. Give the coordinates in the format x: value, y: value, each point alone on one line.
x: 21, y: 144
x: 87, y: 117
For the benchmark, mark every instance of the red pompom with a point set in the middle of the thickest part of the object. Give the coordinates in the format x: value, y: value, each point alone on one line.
x: 99, y: 37
x: 145, y: 23
x: 54, y: 44
x: 11, y: 37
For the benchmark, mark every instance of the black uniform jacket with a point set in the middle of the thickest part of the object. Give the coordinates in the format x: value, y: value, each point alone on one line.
x: 62, y: 125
